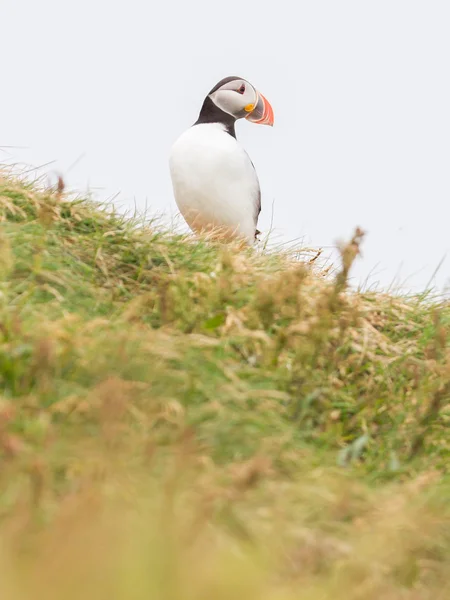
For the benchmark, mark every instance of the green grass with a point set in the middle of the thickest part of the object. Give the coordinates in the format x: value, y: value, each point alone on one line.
x: 181, y: 419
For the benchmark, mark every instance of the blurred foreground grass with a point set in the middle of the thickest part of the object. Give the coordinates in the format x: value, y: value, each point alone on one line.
x: 181, y: 420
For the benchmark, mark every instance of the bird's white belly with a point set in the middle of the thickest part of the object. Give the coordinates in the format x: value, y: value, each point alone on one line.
x: 214, y: 182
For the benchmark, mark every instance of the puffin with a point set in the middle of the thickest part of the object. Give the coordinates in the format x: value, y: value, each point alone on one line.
x: 215, y: 184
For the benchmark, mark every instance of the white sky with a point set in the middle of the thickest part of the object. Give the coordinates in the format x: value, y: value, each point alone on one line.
x: 360, y: 90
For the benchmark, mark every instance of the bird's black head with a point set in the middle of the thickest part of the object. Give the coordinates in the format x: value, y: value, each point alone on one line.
x: 235, y: 98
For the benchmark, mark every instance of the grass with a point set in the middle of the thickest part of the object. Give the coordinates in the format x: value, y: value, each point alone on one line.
x: 185, y: 420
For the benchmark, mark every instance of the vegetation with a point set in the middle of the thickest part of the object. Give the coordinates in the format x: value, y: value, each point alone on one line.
x: 185, y: 420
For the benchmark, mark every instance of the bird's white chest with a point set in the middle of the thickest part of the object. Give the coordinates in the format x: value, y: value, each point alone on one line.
x: 214, y: 182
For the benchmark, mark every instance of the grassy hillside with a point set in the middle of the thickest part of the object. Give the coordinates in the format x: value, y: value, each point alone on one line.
x: 182, y: 420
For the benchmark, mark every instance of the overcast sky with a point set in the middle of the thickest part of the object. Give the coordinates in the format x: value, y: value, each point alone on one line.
x: 360, y: 90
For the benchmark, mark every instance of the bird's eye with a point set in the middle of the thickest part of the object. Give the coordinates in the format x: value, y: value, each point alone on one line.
x: 241, y: 90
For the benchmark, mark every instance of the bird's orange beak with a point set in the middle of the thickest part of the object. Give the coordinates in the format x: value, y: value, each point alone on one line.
x: 260, y: 113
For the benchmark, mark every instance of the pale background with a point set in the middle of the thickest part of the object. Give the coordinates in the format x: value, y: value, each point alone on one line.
x: 360, y: 89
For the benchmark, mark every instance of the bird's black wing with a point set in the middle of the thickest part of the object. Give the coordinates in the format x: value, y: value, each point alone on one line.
x: 257, y: 211
x: 257, y: 201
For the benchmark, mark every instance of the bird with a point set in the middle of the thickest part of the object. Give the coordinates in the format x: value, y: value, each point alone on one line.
x: 214, y: 181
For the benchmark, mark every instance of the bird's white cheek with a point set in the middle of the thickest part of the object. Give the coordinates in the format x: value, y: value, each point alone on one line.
x: 228, y: 101
x: 249, y: 97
